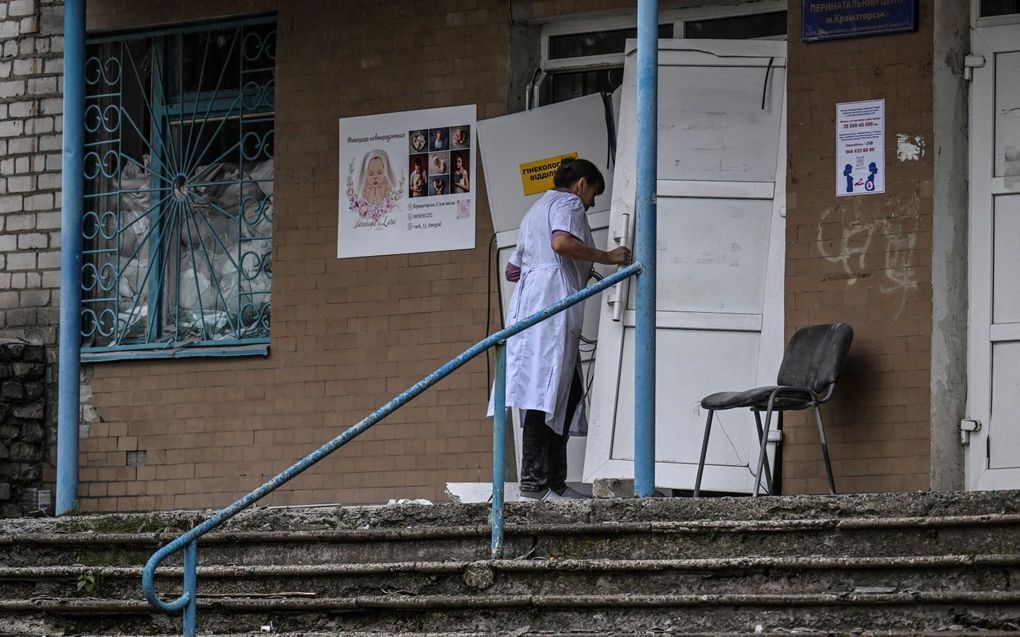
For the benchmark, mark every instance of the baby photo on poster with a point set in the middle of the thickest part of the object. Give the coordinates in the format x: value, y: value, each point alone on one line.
x: 377, y: 191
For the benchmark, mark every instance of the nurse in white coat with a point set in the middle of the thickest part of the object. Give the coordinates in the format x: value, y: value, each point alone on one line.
x: 553, y: 259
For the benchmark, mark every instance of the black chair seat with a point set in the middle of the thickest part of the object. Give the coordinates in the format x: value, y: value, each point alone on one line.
x: 756, y: 398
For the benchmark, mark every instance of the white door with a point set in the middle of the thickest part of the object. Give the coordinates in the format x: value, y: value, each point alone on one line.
x: 993, y: 366
x: 721, y: 196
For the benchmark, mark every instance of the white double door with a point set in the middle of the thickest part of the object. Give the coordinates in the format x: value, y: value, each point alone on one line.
x: 993, y: 367
x: 720, y: 255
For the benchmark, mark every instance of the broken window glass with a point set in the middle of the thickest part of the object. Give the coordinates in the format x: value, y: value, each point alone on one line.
x: 178, y: 212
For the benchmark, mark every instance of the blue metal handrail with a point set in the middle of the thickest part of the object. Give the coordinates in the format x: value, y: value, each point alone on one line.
x: 188, y: 540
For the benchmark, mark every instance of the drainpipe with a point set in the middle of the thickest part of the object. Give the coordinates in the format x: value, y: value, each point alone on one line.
x: 71, y: 197
x: 644, y: 348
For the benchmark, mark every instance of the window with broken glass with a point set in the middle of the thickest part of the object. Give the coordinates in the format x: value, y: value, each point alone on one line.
x: 177, y: 228
x: 581, y: 56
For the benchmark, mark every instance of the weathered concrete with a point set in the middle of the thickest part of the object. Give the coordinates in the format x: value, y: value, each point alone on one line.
x: 909, y: 562
x: 615, y: 511
x: 23, y: 435
x: 757, y: 575
x: 720, y: 539
x: 949, y: 249
x: 622, y: 614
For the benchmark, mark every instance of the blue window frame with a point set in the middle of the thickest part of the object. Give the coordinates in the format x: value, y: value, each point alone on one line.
x: 177, y: 227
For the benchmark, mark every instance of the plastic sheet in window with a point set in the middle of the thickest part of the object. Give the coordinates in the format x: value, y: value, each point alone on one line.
x: 217, y: 260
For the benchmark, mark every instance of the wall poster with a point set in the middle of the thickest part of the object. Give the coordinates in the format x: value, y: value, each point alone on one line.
x: 407, y: 182
x: 860, y: 148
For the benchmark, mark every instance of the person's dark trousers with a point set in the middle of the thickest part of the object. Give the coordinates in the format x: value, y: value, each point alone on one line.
x: 544, y: 452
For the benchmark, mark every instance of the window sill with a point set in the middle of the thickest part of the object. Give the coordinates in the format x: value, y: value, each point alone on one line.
x: 97, y: 355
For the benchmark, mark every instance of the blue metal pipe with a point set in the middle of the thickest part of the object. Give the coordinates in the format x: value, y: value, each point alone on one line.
x: 645, y: 245
x: 149, y: 572
x: 498, y: 451
x: 71, y: 201
x: 191, y: 589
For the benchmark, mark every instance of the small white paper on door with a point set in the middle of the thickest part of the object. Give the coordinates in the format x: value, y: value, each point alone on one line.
x: 860, y: 148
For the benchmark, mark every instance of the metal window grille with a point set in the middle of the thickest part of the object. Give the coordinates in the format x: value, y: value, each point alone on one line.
x: 177, y: 228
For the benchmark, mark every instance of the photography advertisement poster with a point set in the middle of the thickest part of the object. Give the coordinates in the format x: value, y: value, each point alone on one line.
x: 407, y: 182
x: 860, y: 148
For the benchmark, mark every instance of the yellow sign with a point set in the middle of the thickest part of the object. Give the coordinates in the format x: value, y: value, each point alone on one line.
x: 537, y: 176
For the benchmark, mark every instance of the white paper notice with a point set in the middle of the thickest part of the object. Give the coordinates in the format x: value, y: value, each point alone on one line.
x: 860, y: 148
x: 407, y: 182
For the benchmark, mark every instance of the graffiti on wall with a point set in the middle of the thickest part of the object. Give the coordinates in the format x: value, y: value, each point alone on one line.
x: 892, y: 238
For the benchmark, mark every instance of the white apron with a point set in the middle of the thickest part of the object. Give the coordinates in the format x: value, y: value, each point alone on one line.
x: 542, y: 360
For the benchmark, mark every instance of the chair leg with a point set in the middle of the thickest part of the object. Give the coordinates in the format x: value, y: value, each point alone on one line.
x: 768, y: 473
x: 704, y: 451
x: 777, y: 458
x: 825, y: 450
x: 764, y: 446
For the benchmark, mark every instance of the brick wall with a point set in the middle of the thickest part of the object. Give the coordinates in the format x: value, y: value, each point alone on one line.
x: 865, y: 260
x: 347, y: 335
x: 30, y: 107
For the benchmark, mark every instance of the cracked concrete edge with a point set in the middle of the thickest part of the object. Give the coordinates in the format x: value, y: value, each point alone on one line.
x: 608, y: 528
x: 798, y: 563
x: 463, y: 516
x: 626, y: 600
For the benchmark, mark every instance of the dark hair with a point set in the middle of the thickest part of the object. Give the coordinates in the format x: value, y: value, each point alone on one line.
x: 571, y: 170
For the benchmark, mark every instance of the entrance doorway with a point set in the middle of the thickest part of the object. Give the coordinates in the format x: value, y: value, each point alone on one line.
x: 993, y: 365
x: 719, y: 319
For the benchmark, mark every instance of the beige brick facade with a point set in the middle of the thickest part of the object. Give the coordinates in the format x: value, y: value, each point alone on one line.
x: 864, y: 260
x: 349, y: 334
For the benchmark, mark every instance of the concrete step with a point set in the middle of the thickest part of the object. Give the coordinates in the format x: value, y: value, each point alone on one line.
x: 664, y: 539
x: 772, y: 575
x: 620, y: 511
x: 878, y: 563
x: 618, y: 613
x: 528, y: 631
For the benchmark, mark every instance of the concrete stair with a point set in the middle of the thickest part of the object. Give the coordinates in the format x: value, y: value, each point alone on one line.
x: 888, y: 564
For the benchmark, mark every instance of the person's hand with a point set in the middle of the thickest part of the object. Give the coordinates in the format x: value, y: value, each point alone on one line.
x: 619, y: 256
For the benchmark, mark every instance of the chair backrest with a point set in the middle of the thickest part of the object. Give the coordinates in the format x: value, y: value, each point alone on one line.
x: 815, y: 355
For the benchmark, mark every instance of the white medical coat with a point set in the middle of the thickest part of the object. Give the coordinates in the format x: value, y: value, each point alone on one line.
x: 542, y: 360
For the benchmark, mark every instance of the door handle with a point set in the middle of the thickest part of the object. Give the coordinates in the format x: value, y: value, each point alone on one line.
x: 619, y: 296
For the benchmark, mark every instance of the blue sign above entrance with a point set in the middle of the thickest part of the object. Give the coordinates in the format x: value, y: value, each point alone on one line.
x: 830, y: 19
